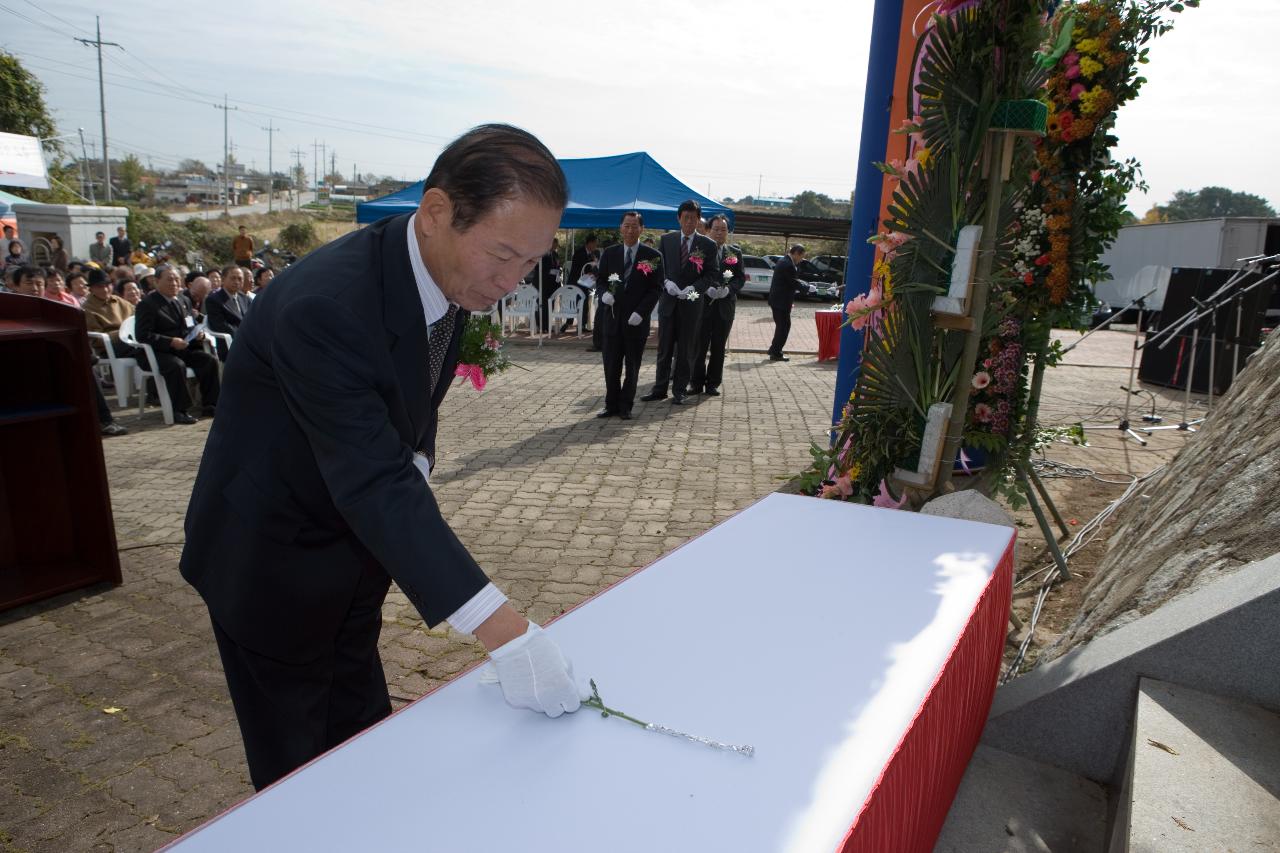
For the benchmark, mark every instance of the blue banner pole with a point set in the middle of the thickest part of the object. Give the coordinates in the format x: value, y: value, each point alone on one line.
x: 882, y: 62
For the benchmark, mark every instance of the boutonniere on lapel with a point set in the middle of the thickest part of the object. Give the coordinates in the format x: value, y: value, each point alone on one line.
x: 480, y: 352
x: 697, y: 258
x: 730, y: 259
x: 648, y: 266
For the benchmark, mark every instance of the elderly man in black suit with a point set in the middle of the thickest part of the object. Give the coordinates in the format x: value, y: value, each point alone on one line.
x: 314, y: 490
x: 717, y: 312
x: 164, y: 321
x: 627, y: 284
x: 782, y: 295
x: 689, y: 266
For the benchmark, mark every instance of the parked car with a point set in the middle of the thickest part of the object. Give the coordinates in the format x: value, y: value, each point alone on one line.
x: 773, y: 259
x: 759, y: 275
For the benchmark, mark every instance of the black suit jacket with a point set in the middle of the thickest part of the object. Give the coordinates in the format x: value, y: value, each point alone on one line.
x: 782, y: 289
x: 685, y: 274
x: 223, y: 315
x: 158, y: 321
x: 638, y: 294
x: 307, y: 477
x: 726, y: 306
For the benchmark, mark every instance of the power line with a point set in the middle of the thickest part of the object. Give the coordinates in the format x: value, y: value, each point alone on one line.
x: 55, y: 17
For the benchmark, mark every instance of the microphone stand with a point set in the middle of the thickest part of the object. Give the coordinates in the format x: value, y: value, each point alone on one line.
x: 1124, y: 426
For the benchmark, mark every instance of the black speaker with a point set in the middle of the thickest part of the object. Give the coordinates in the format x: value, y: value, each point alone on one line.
x: 1167, y: 362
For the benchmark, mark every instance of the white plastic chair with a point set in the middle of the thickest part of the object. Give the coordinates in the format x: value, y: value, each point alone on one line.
x: 151, y: 372
x: 121, y: 368
x: 523, y: 304
x: 492, y: 312
x: 211, y: 341
x: 565, y: 303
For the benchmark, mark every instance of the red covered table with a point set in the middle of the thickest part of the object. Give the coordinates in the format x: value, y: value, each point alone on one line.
x: 855, y: 648
x: 828, y: 333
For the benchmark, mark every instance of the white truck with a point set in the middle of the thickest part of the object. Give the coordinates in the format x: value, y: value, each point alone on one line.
x: 1142, y: 256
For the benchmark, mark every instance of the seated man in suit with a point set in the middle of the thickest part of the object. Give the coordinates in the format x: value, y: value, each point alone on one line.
x: 195, y: 294
x: 226, y: 307
x: 625, y: 305
x: 164, y: 322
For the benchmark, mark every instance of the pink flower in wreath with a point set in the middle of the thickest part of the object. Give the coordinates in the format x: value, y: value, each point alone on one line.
x: 1077, y: 89
x: 864, y: 309
x: 885, y: 500
x: 982, y: 413
x: 1072, y: 72
x: 981, y: 380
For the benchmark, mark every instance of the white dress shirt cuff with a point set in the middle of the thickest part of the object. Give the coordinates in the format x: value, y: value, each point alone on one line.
x: 423, y: 465
x: 482, y: 605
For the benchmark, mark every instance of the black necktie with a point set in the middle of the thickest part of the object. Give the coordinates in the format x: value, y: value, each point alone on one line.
x: 626, y: 269
x: 439, y: 336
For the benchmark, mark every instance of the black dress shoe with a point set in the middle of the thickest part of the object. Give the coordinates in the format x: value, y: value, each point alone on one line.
x: 112, y: 429
x: 208, y: 411
x: 626, y: 416
x: 677, y: 400
x: 778, y: 358
x: 652, y: 396
x: 183, y: 418
x: 711, y: 392
x: 605, y: 413
x: 594, y: 349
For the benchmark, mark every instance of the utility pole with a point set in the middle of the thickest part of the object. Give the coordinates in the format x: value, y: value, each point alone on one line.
x: 271, y: 177
x: 324, y: 160
x: 315, y: 165
x: 297, y: 159
x: 102, y: 104
x: 226, y: 156
x: 85, y: 170
x: 333, y: 162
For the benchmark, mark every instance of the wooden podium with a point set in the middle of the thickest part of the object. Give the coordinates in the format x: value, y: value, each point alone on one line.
x: 56, y: 529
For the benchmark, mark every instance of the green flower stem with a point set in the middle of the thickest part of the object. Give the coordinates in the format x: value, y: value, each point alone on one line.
x: 605, y: 711
x: 610, y: 712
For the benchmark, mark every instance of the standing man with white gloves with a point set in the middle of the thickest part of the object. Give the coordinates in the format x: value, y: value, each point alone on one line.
x: 690, y: 267
x: 627, y: 284
x: 313, y: 493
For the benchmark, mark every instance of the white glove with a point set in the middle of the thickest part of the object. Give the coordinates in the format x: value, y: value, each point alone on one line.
x: 716, y: 292
x: 687, y: 290
x: 535, y: 675
x: 673, y: 289
x: 607, y: 299
x: 634, y: 320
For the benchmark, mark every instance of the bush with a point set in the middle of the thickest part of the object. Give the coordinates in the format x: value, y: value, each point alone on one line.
x: 298, y: 237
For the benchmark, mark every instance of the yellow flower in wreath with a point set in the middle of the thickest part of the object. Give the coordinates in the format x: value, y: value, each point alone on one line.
x: 1089, y: 67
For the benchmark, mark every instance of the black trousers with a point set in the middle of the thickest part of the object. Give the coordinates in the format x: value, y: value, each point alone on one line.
x: 677, y: 342
x: 173, y: 369
x: 781, y: 328
x: 622, y: 354
x: 713, y: 338
x: 291, y: 713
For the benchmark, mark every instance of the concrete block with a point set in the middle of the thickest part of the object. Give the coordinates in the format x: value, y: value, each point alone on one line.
x: 1204, y: 774
x: 1075, y: 712
x: 1009, y: 804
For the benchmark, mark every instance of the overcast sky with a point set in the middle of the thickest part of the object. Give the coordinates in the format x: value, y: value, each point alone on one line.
x: 734, y: 98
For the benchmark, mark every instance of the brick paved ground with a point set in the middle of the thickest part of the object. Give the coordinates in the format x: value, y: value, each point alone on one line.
x: 554, y: 503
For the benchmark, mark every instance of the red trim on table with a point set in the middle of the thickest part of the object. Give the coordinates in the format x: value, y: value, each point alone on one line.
x: 908, y: 804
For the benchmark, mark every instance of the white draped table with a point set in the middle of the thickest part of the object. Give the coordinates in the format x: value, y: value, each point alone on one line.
x: 855, y: 648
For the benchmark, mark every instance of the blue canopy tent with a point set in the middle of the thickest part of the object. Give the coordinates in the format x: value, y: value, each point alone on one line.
x: 600, y: 190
